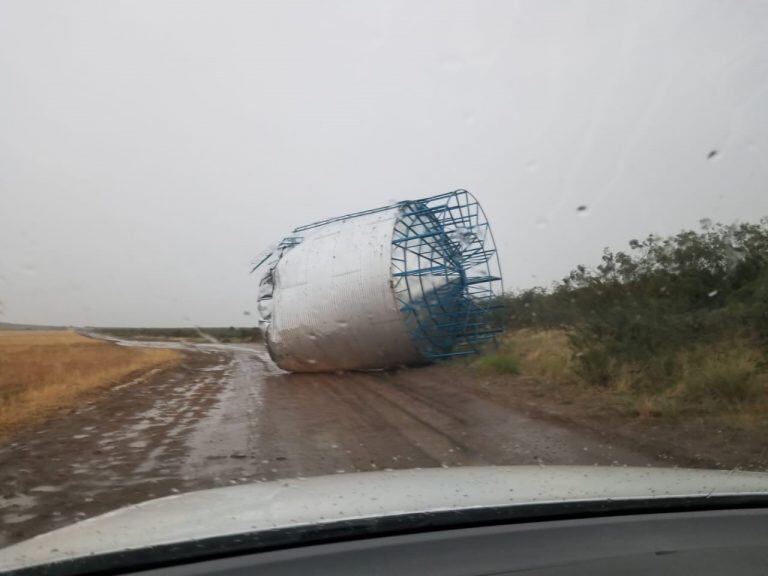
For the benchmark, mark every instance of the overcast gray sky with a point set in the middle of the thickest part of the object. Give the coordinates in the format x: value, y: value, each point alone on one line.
x: 149, y: 150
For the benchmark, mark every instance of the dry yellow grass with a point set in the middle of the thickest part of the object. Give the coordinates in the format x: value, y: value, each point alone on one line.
x: 544, y: 354
x: 42, y: 371
x: 725, y: 379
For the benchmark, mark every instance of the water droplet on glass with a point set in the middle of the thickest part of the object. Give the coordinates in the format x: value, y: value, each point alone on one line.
x: 712, y: 154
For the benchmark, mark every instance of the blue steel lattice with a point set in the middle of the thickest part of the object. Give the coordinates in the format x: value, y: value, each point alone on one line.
x: 446, y: 275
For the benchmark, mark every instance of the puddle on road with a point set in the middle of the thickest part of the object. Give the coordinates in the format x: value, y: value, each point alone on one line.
x: 18, y: 501
x: 45, y: 489
x: 221, y: 444
x: 17, y: 518
x: 145, y: 445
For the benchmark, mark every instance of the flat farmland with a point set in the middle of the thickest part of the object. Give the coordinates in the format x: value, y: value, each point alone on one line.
x: 45, y: 371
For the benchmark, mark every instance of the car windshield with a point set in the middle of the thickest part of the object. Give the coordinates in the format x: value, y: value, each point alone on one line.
x: 245, y: 242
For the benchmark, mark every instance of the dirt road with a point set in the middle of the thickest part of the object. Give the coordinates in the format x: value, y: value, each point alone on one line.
x: 228, y: 416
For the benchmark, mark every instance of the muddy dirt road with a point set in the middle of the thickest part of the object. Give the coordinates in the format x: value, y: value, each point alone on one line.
x: 228, y: 415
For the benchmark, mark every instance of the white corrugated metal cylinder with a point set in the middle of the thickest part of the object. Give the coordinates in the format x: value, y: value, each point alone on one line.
x: 399, y: 285
x: 333, y: 305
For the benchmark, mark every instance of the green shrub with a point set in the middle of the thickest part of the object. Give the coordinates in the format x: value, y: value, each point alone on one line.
x: 595, y: 366
x: 639, y: 310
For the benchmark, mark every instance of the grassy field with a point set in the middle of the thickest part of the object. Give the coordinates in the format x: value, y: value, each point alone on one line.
x: 724, y: 379
x: 543, y: 354
x: 206, y: 334
x: 41, y: 371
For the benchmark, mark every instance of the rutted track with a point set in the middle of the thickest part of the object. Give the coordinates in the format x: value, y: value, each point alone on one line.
x: 228, y: 416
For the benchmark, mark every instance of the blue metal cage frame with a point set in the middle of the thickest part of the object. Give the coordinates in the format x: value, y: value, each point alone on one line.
x: 446, y: 274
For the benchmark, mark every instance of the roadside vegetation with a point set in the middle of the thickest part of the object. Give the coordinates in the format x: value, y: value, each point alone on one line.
x: 219, y: 334
x: 43, y: 371
x: 674, y: 325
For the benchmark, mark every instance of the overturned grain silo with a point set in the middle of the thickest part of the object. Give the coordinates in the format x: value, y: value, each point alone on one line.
x: 405, y: 284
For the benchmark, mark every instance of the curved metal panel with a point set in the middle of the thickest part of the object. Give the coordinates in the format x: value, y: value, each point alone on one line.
x: 332, y: 302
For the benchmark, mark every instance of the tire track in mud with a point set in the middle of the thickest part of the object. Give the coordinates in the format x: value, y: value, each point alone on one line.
x: 402, y: 431
x: 432, y: 435
x: 493, y: 425
x: 324, y: 423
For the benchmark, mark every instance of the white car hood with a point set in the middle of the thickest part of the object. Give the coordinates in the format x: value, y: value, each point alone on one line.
x: 325, y: 499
